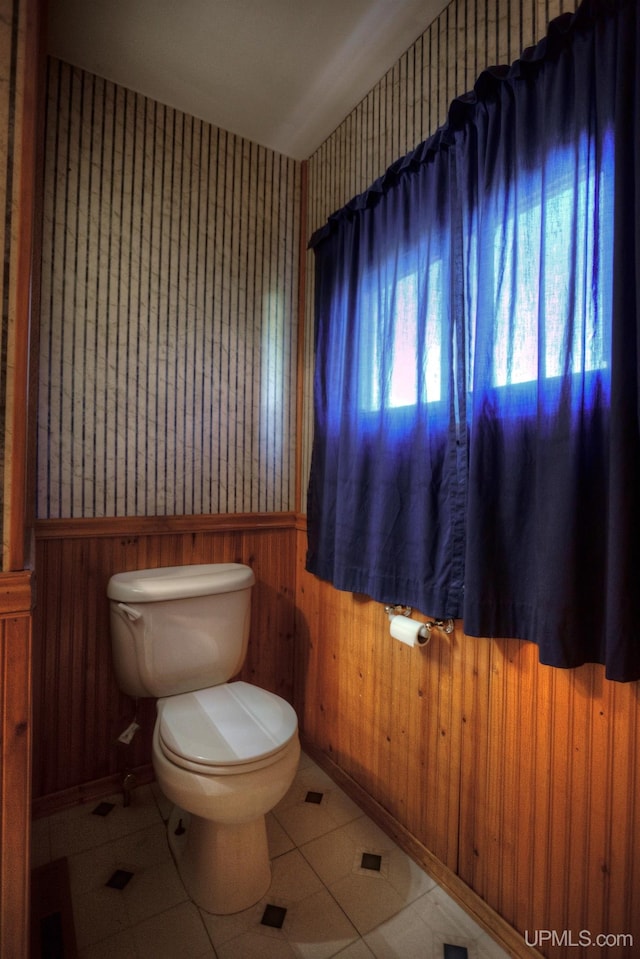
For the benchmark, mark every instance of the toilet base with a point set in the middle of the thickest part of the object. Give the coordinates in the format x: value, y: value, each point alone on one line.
x: 225, y: 867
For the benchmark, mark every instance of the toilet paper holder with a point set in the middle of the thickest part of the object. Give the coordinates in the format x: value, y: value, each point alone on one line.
x: 392, y: 611
x: 446, y: 625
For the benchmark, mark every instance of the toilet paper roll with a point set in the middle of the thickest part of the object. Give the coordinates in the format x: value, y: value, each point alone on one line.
x: 408, y: 631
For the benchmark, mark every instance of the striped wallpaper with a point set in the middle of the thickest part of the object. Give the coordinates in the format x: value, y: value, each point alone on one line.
x: 405, y: 107
x: 168, y: 328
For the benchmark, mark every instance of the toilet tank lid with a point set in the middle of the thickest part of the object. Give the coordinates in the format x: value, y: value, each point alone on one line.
x: 179, y: 582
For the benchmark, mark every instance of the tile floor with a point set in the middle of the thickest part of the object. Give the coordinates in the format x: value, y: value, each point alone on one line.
x: 340, y: 886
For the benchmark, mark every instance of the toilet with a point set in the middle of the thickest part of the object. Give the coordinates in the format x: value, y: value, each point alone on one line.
x: 224, y: 752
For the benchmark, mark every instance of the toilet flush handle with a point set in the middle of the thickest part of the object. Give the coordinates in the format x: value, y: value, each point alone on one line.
x: 129, y: 611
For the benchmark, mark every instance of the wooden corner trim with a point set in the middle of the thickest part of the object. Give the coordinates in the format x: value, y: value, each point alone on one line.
x: 16, y: 593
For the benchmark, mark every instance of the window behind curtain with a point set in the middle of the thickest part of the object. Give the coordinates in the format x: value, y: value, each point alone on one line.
x: 552, y: 268
x: 477, y: 449
x: 401, y: 364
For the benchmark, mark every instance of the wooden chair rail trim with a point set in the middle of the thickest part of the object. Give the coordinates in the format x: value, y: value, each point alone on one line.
x: 157, y: 525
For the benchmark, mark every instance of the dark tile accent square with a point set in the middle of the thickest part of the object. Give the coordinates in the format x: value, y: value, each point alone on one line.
x: 103, y: 809
x: 273, y: 916
x: 314, y: 798
x: 119, y: 879
x: 371, y: 861
x: 455, y: 952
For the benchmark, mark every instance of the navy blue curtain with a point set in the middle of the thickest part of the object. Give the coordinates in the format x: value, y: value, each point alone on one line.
x: 477, y: 406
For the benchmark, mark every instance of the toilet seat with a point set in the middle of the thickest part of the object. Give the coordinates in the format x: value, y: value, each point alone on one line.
x: 225, y: 730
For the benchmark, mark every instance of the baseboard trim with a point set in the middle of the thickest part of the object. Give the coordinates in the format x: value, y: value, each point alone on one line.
x: 505, y: 935
x: 79, y: 795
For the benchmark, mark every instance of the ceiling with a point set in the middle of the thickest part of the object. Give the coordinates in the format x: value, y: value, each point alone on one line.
x: 282, y: 73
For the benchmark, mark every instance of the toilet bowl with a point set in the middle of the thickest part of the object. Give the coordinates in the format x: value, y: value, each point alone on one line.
x: 223, y: 777
x: 224, y: 753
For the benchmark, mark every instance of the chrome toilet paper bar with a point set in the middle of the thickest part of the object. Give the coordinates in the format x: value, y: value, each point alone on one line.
x: 398, y: 611
x: 446, y: 625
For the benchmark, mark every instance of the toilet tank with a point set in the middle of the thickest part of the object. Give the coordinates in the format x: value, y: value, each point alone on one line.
x: 179, y: 628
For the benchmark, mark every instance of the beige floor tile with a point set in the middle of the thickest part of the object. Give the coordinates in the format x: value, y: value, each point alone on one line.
x: 304, y: 820
x: 251, y: 945
x: 292, y: 879
x: 407, y: 878
x: 339, y: 853
x: 317, y: 927
x: 76, y: 830
x: 99, y: 914
x: 447, y: 918
x: 178, y: 933
x: 332, y: 856
x: 367, y: 902
x: 279, y: 840
x: 404, y: 936
x: 358, y: 950
x: 153, y: 890
x: 120, y: 946
x: 223, y: 929
x: 142, y: 849
x: 488, y: 949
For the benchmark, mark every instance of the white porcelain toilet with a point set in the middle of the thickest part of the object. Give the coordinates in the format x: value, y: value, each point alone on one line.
x: 224, y: 752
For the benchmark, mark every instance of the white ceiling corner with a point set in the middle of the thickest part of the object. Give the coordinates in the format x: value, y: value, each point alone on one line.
x: 282, y: 73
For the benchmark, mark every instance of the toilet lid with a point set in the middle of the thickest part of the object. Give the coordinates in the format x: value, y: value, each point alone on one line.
x: 225, y: 725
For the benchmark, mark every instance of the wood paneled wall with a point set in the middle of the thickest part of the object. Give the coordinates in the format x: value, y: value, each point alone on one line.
x: 521, y: 780
x: 78, y: 709
x: 19, y: 59
x: 19, y: 82
x: 15, y: 762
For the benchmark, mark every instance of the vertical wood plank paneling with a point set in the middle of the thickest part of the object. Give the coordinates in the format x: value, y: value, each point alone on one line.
x: 163, y: 359
x: 474, y: 744
x: 519, y: 778
x: 15, y: 781
x: 19, y: 83
x: 601, y: 813
x: 579, y: 750
x: 523, y: 721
